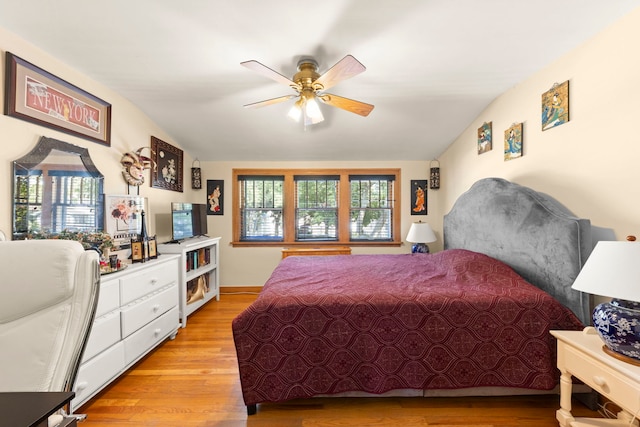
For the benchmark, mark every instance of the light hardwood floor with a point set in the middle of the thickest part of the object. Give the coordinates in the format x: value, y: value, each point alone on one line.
x: 193, y: 381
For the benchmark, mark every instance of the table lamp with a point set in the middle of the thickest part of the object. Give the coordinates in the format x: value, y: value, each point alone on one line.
x: 420, y: 234
x: 613, y: 270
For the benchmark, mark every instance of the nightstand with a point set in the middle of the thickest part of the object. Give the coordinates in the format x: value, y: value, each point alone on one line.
x: 580, y: 355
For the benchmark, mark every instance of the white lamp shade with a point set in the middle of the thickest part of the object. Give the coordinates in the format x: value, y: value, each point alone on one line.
x: 612, y: 270
x: 421, y: 232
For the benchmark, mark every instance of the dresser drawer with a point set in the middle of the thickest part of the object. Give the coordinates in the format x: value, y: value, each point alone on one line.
x: 97, y: 372
x: 105, y: 332
x: 603, y: 379
x: 148, y: 336
x: 109, y: 297
x: 147, y: 280
x: 143, y: 311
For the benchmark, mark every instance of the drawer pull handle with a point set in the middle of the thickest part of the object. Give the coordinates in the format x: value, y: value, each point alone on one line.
x: 81, y: 386
x: 156, y: 308
x: 601, y: 382
x: 154, y: 281
x: 157, y: 331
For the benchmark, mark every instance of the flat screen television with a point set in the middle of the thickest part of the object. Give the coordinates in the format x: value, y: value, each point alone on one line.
x: 188, y: 220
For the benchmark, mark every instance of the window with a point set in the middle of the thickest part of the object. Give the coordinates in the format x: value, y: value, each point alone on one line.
x: 261, y: 203
x: 316, y: 206
x: 371, y: 207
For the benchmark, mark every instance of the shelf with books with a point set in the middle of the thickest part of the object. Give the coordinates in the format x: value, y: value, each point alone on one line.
x: 199, y: 276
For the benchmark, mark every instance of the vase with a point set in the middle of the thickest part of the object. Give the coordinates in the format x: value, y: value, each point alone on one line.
x: 618, y: 324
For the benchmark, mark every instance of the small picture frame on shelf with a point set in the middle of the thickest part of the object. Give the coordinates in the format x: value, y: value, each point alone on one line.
x: 153, y: 248
x: 137, y: 251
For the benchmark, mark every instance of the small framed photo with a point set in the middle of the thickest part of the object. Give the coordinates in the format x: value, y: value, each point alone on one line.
x: 169, y: 165
x: 153, y: 248
x: 485, y: 141
x: 137, y: 251
x: 513, y: 142
x: 419, y: 197
x: 555, y: 106
x: 215, y: 197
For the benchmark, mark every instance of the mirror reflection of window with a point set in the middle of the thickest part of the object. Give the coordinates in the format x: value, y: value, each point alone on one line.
x: 62, y: 191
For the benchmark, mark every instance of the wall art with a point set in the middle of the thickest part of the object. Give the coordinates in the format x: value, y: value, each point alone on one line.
x: 34, y: 95
x: 485, y: 138
x: 513, y: 142
x: 418, y: 197
x: 169, y: 165
x: 555, y: 106
x: 123, y: 219
x: 215, y: 197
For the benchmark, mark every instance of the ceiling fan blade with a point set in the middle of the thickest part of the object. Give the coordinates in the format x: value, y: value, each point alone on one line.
x: 270, y: 101
x: 268, y: 72
x: 350, y: 105
x: 344, y: 69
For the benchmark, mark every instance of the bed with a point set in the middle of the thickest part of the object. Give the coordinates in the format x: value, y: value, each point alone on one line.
x: 470, y: 318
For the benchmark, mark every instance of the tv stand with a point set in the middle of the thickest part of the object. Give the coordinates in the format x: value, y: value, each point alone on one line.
x: 199, y: 272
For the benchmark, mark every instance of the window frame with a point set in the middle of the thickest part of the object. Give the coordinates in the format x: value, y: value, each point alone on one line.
x: 344, y: 203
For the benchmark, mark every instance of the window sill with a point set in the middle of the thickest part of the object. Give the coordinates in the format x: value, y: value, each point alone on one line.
x: 313, y: 244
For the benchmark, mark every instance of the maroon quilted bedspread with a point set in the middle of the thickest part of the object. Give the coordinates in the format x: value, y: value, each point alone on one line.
x: 374, y: 323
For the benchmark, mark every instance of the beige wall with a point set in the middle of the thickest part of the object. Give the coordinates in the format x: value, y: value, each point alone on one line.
x: 130, y: 130
x: 592, y: 163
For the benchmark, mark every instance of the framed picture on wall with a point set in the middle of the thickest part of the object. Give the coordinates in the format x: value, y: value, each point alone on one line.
x: 169, y: 165
x: 513, y: 142
x: 215, y: 197
x: 37, y: 96
x: 419, y: 196
x: 485, y: 138
x: 555, y: 106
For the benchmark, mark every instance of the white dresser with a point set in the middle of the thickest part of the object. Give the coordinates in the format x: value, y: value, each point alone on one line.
x: 137, y: 310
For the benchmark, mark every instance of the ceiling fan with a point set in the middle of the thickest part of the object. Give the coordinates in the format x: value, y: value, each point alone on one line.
x: 310, y: 87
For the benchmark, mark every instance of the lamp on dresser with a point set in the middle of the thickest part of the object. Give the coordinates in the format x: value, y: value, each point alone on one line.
x: 420, y: 234
x: 613, y: 270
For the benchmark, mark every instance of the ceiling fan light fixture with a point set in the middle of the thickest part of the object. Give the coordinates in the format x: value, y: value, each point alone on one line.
x: 312, y: 112
x: 296, y: 111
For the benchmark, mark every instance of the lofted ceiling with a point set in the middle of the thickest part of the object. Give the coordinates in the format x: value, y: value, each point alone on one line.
x: 432, y: 65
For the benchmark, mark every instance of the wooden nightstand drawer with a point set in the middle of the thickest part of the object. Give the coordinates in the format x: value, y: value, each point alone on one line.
x: 602, y: 378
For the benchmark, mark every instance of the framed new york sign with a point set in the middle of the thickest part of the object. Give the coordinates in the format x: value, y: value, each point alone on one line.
x: 37, y: 96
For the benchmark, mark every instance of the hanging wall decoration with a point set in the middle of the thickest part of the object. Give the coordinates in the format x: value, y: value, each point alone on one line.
x: 215, y: 197
x: 39, y: 97
x: 434, y: 175
x: 418, y: 197
x: 513, y: 142
x: 196, y: 175
x: 485, y: 138
x: 168, y: 171
x: 134, y: 164
x: 555, y: 106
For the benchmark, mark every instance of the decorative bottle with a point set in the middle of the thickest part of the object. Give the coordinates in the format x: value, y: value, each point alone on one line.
x: 144, y: 238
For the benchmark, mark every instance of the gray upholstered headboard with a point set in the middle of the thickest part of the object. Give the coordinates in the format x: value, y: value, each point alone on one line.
x: 529, y: 231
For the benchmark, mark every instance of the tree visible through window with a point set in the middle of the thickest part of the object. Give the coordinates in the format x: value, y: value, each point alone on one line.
x: 317, y: 206
x: 371, y: 207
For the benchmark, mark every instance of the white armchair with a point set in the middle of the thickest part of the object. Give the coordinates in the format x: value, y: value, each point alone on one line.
x: 48, y: 296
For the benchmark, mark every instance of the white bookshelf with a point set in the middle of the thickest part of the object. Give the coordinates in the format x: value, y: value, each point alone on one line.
x: 199, y: 272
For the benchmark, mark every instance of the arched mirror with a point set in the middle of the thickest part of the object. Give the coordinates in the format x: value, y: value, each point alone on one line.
x: 56, y: 187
